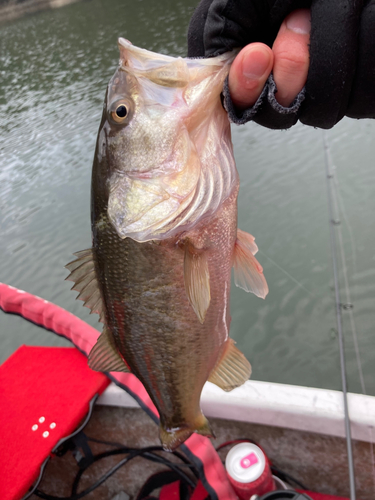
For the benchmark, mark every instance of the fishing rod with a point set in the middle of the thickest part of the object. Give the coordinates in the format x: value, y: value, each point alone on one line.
x: 332, y: 223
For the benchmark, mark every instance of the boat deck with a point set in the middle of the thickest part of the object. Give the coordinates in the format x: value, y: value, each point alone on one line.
x: 317, y: 460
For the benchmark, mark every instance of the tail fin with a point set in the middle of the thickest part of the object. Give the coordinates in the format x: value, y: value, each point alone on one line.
x: 172, y: 438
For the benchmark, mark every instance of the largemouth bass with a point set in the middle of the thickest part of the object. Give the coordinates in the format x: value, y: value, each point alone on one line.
x: 164, y: 225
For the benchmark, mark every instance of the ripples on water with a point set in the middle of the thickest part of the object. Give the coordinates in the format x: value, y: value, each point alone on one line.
x: 54, y: 69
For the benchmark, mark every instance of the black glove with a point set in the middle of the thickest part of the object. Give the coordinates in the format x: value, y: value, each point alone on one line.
x: 341, y: 77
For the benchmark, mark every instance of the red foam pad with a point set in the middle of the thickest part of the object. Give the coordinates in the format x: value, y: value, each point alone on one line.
x: 44, y: 395
x: 172, y: 492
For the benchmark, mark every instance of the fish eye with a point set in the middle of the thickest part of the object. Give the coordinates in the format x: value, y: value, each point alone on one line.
x: 120, y: 111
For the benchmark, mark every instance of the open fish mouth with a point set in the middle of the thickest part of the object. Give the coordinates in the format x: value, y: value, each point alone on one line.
x: 178, y: 173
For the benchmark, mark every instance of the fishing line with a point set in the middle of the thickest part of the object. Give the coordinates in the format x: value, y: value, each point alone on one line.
x: 287, y: 274
x: 336, y: 196
x: 372, y: 455
x: 340, y: 209
x: 332, y: 224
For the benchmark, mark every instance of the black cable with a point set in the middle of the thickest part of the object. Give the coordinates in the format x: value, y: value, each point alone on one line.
x: 125, y: 449
x: 156, y: 448
x: 108, y: 443
x: 147, y: 453
x: 284, y: 476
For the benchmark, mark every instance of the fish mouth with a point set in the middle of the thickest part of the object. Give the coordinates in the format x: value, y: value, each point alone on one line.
x: 139, y: 56
x: 138, y: 51
x: 156, y: 196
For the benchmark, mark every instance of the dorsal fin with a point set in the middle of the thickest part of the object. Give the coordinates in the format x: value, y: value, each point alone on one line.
x: 104, y: 356
x: 248, y: 273
x: 232, y: 370
x: 82, y: 272
x: 197, y: 280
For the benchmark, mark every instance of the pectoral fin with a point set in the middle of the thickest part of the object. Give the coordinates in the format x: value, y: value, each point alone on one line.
x: 104, y: 356
x: 197, y: 281
x: 82, y: 272
x: 232, y: 370
x: 248, y: 273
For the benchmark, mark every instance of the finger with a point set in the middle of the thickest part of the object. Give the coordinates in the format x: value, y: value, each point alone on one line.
x: 249, y: 73
x: 291, y: 53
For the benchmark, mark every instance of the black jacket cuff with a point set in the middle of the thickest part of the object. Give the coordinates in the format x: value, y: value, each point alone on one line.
x: 266, y: 111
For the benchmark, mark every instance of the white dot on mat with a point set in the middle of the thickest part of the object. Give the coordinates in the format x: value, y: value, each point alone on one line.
x: 42, y: 419
x: 45, y: 434
x: 52, y: 426
x: 34, y: 427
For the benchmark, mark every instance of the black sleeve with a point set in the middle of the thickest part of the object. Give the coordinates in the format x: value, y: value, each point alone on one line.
x: 341, y: 77
x: 362, y: 96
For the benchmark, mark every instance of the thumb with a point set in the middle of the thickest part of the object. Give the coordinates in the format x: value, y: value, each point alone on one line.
x: 249, y: 73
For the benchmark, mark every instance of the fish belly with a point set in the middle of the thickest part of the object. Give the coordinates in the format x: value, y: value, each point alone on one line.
x: 149, y: 315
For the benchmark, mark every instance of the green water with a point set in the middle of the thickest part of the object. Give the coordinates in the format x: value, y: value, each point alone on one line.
x: 54, y: 70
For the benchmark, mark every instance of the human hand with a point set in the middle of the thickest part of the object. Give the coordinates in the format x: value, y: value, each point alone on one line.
x: 340, y: 75
x: 288, y: 60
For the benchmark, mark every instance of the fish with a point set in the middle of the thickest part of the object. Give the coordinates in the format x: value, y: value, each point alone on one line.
x: 164, y: 236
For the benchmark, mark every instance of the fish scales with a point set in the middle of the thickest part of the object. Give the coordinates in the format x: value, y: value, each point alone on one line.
x: 148, y: 311
x: 164, y: 223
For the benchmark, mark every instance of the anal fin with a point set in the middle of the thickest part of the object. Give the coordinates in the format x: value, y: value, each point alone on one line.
x: 248, y: 273
x: 197, y: 280
x: 104, y: 356
x: 232, y: 370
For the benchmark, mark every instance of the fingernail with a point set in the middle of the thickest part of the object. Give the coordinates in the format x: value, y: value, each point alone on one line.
x: 255, y: 64
x: 299, y: 22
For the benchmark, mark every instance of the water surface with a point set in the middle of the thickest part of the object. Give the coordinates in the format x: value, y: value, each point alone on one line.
x: 55, y: 68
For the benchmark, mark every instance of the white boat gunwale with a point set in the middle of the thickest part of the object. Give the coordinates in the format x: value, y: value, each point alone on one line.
x: 279, y: 405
